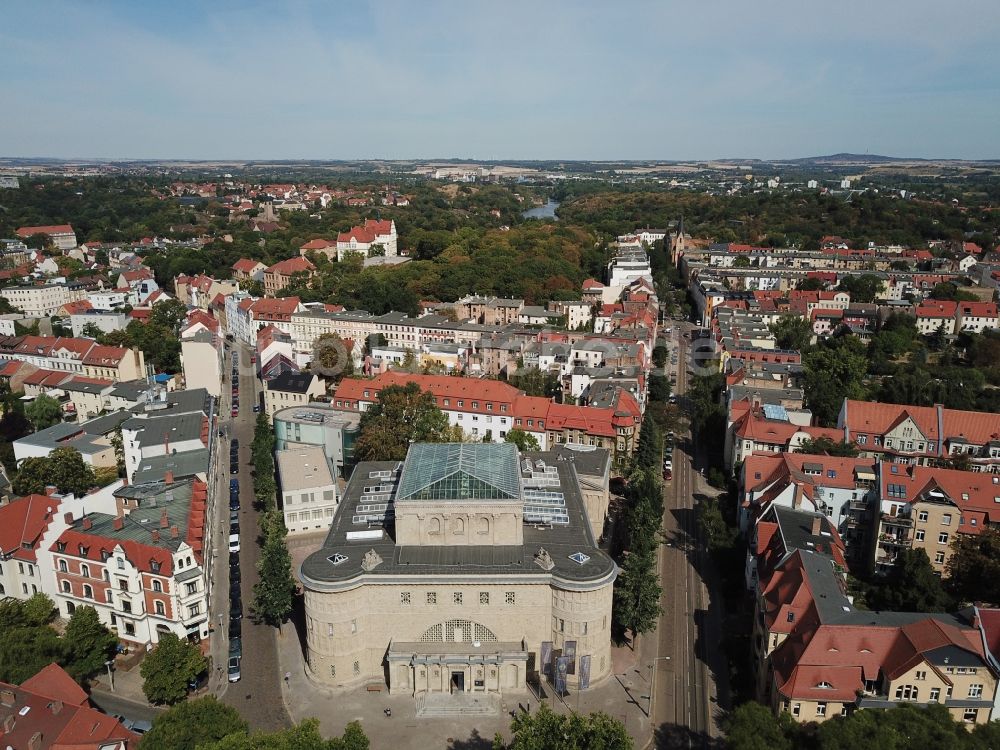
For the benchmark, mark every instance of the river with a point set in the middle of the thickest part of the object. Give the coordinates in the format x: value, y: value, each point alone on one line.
x: 548, y: 211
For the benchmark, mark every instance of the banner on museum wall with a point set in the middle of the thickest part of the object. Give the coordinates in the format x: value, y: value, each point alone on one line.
x: 584, y: 671
x: 547, y: 658
x: 562, y: 668
x: 569, y: 651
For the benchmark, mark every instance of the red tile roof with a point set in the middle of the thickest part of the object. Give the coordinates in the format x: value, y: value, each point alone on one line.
x: 936, y: 308
x: 51, y: 229
x: 246, y: 265
x: 287, y: 267
x: 22, y: 522
x: 52, y: 681
x: 318, y: 244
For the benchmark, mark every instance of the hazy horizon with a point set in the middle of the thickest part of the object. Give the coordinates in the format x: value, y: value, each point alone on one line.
x: 644, y: 81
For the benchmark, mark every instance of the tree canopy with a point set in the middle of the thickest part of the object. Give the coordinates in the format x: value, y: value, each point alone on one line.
x: 545, y: 729
x: 169, y: 667
x: 523, y: 440
x: 401, y: 415
x: 911, y: 585
x: 974, y: 567
x: 192, y: 724
x: 44, y: 411
x: 63, y: 468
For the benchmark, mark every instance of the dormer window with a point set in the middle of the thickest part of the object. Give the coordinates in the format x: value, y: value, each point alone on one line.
x: 105, y: 555
x: 154, y: 566
x: 61, y: 546
x: 83, y: 550
x: 790, y: 617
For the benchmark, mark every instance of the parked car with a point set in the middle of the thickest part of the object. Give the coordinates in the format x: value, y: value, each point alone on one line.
x: 234, y: 503
x: 236, y: 646
x: 234, y: 560
x: 234, y: 485
x: 235, y: 628
x: 234, y: 669
x: 234, y: 542
x: 256, y: 408
x: 667, y: 475
x: 234, y: 573
x: 139, y: 726
x: 668, y: 465
x: 235, y: 610
x: 234, y: 444
x: 234, y: 516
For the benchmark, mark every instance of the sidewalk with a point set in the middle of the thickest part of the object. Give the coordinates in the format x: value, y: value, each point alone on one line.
x: 334, y: 709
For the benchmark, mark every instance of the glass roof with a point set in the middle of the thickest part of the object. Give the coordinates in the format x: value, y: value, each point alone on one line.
x: 460, y: 471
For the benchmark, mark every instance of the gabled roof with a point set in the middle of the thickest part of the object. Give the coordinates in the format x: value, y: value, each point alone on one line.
x: 52, y: 681
x: 22, y: 522
x: 24, y: 232
x: 298, y: 264
x: 460, y: 471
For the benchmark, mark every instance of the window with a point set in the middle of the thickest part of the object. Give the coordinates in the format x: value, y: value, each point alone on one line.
x: 790, y: 617
x: 192, y: 587
x: 975, y: 691
x: 919, y: 535
x: 906, y: 693
x: 562, y: 625
x: 821, y: 709
x: 160, y: 610
x: 946, y: 519
x: 404, y: 597
x: 796, y: 709
x: 935, y: 695
x: 194, y: 610
x: 510, y: 597
x: 157, y: 587
x: 109, y: 597
x: 432, y: 597
x: 88, y: 592
x: 129, y: 628
x: 84, y: 571
x: 971, y: 714
x: 121, y: 563
x: 126, y: 606
x: 943, y: 537
x: 921, y: 675
x: 357, y: 668
x: 354, y: 626
x: 484, y: 597
x: 456, y: 597
x: 62, y: 566
x: 65, y: 587
x: 333, y: 670
x: 122, y: 584
x: 922, y: 515
x: 939, y: 558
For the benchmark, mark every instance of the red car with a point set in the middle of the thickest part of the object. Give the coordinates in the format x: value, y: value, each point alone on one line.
x: 236, y: 412
x: 668, y: 475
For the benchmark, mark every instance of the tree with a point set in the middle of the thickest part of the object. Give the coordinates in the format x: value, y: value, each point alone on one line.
x: 193, y: 723
x: 273, y: 593
x: 64, y: 468
x: 168, y: 314
x: 811, y: 284
x: 911, y: 585
x: 331, y: 357
x: 834, y: 370
x: 88, y: 643
x: 39, y: 609
x: 304, y: 736
x: 546, y: 730
x: 824, y: 446
x: 792, y: 332
x: 168, y: 668
x: 753, y: 726
x: 401, y: 415
x: 534, y: 382
x: 649, y: 451
x: 905, y: 727
x: 44, y: 411
x: 91, y: 331
x: 636, y: 604
x: 659, y: 387
x: 659, y: 355
x: 523, y: 440
x: 862, y: 288
x: 974, y: 567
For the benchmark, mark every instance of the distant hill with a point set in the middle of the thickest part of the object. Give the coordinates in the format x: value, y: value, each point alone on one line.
x: 851, y: 159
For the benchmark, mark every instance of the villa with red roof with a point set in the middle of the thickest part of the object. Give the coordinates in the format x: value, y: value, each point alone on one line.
x: 247, y: 270
x: 488, y: 409
x: 320, y: 246
x: 934, y: 315
x: 374, y: 238
x: 49, y: 711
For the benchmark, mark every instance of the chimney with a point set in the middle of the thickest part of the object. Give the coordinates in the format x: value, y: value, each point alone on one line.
x: 8, y: 724
x: 118, y: 523
x: 68, y: 518
x: 7, y: 698
x: 87, y: 523
x: 168, y: 477
x: 175, y: 532
x: 164, y: 521
x: 817, y: 525
x: 156, y: 535
x: 56, y: 707
x: 51, y: 489
x: 35, y: 743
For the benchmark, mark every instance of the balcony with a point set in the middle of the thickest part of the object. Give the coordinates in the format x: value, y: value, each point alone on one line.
x: 894, y: 540
x: 903, y: 522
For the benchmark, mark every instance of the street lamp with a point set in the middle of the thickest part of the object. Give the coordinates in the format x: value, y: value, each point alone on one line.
x: 111, y: 675
x: 652, y: 682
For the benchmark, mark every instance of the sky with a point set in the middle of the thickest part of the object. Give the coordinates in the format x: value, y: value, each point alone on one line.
x: 500, y: 79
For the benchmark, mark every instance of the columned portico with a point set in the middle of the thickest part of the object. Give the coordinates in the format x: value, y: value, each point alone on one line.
x: 478, y: 667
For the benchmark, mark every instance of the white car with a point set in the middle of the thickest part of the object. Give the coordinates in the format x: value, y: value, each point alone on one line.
x: 668, y: 465
x: 234, y: 669
x: 234, y: 542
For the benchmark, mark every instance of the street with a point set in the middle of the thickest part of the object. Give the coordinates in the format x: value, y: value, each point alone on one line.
x: 114, y: 704
x: 257, y: 696
x: 689, y: 632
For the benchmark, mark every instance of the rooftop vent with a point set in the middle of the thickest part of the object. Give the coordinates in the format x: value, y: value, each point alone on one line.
x: 337, y: 558
x: 579, y: 558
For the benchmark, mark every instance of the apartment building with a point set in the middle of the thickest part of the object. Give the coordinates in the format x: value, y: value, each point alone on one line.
x: 37, y: 300
x: 246, y: 270
x: 921, y: 435
x: 75, y: 355
x: 199, y: 291
x: 374, y: 238
x: 62, y: 236
x: 141, y: 567
x: 335, y: 431
x: 487, y: 410
x: 818, y: 656
x: 308, y: 488
x: 291, y: 389
x: 282, y: 273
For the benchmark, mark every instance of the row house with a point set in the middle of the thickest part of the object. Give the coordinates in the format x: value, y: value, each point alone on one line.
x: 928, y: 508
x: 320, y: 246
x: 817, y: 656
x: 839, y: 488
x: 487, y: 410
x: 492, y: 311
x: 92, y: 439
x: 976, y: 317
x: 140, y: 567
x: 283, y: 273
x: 769, y: 427
x: 86, y: 396
x: 37, y: 300
x: 921, y: 435
x: 75, y: 355
x: 936, y: 315
x: 147, y: 435
x: 275, y: 354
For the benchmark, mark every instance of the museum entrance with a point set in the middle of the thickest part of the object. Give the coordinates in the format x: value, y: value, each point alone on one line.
x: 458, y: 682
x: 449, y: 668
